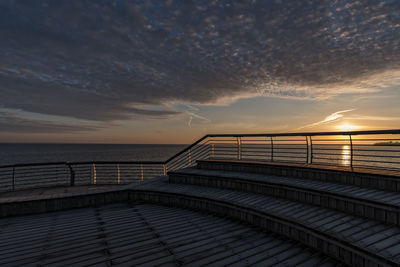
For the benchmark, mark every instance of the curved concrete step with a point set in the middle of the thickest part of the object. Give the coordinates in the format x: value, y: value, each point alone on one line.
x: 371, y: 203
x: 351, y: 239
x: 361, y: 177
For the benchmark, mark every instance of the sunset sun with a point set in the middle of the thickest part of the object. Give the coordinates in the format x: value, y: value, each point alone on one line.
x: 347, y: 127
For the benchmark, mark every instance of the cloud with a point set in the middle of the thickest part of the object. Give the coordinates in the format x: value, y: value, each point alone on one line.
x: 331, y: 118
x: 190, y: 121
x: 13, y: 123
x: 374, y: 118
x: 197, y: 116
x: 108, y: 60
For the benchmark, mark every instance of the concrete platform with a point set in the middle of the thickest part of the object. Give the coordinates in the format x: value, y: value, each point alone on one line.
x: 144, y: 235
x: 338, y: 213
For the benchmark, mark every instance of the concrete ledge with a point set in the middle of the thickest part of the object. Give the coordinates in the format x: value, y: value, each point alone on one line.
x: 361, y: 207
x: 368, y: 178
x: 61, y: 202
x: 342, y: 251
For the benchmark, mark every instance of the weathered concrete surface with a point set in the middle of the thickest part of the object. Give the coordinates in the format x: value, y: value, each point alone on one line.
x: 32, y: 194
x: 144, y: 235
x: 58, y: 199
x: 362, y: 177
x: 371, y: 203
x: 351, y: 239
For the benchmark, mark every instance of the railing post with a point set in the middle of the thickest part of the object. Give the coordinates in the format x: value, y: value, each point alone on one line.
x: 351, y: 152
x: 71, y: 175
x: 165, y: 169
x: 311, y: 150
x: 239, y: 148
x: 118, y: 174
x: 212, y: 151
x: 94, y: 173
x: 307, y: 150
x: 272, y: 149
x: 141, y: 172
x: 189, y: 158
x: 13, y: 179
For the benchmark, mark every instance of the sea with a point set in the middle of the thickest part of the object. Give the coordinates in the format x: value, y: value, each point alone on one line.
x: 38, y: 153
x: 379, y: 156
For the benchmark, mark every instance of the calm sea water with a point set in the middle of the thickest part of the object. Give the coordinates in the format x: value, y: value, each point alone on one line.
x: 381, y: 156
x: 33, y: 153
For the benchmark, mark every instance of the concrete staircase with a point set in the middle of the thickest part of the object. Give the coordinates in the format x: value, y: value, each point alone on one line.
x: 353, y: 217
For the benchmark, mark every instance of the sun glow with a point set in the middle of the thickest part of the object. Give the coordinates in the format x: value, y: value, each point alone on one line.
x: 347, y: 127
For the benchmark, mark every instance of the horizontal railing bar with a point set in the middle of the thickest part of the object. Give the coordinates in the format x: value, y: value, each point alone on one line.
x: 116, y: 162
x: 269, y: 144
x: 266, y: 141
x: 385, y: 162
x: 335, y: 159
x: 331, y: 154
x: 376, y: 139
x: 369, y: 145
x: 371, y: 150
x: 378, y: 167
x: 289, y: 152
x: 186, y: 149
x: 310, y: 133
x: 260, y: 153
x: 295, y: 157
x: 233, y: 146
x: 258, y: 149
x: 343, y: 144
x: 330, y: 140
x: 331, y: 149
x: 278, y: 146
x: 83, y: 163
x: 377, y: 156
x: 291, y: 148
x: 200, y: 151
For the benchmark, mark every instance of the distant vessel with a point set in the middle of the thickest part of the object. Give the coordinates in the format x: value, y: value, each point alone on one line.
x: 390, y: 143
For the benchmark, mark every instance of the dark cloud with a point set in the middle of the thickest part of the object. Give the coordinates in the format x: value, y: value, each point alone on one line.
x: 108, y: 60
x: 11, y: 123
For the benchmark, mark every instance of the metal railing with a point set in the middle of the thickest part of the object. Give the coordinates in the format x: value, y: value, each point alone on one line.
x: 368, y: 149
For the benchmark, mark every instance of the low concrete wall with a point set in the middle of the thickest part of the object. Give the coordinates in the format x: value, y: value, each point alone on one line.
x: 360, y: 207
x: 57, y: 203
x: 335, y: 175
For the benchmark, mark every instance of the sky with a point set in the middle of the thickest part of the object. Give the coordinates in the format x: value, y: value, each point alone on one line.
x: 119, y: 71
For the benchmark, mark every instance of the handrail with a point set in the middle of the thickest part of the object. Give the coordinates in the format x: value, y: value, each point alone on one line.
x: 271, y: 147
x: 186, y: 149
x: 394, y: 131
x: 79, y: 162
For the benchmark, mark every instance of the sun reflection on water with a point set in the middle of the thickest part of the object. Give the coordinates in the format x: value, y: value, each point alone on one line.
x: 346, y: 155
